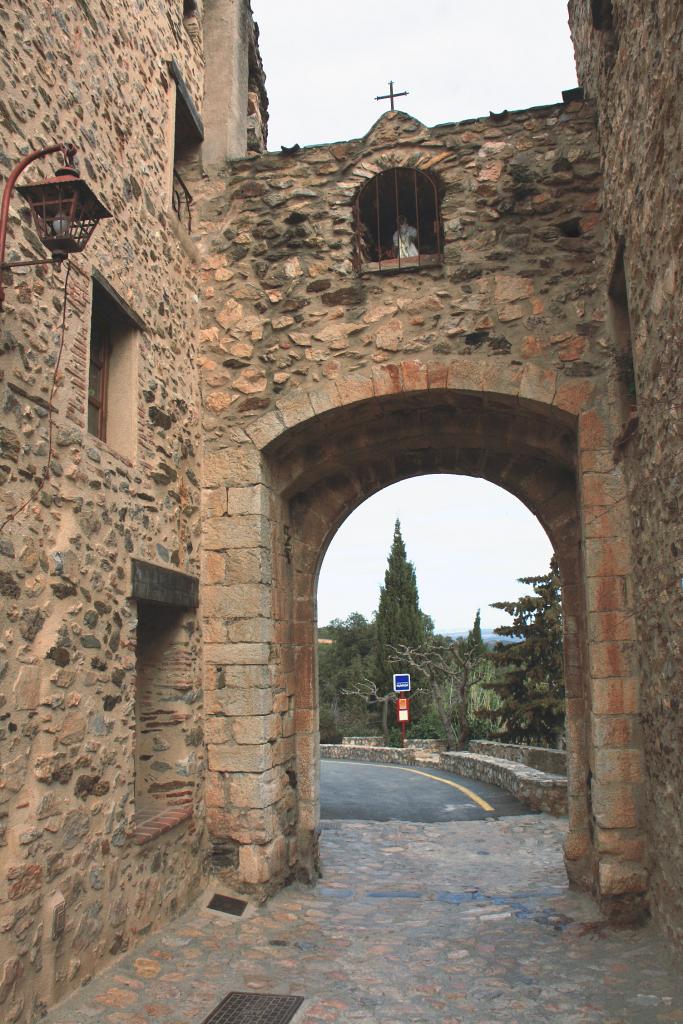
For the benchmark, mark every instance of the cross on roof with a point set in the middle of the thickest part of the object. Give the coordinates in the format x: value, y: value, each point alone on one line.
x: 391, y: 95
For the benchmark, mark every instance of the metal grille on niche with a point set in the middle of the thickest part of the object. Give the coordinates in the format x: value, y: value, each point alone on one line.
x: 397, y: 221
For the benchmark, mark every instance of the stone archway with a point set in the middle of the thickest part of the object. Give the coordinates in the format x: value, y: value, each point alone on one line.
x: 292, y: 476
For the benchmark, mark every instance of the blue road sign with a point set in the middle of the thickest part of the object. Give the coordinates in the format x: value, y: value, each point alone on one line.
x: 401, y: 682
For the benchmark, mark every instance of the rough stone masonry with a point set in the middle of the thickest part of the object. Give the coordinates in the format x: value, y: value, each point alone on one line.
x: 321, y: 384
x: 269, y: 387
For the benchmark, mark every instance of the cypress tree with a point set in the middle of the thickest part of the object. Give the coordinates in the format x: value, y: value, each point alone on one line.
x: 399, y: 619
x: 474, y: 641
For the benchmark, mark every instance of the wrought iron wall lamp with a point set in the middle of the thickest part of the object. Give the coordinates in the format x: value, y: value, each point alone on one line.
x: 65, y: 210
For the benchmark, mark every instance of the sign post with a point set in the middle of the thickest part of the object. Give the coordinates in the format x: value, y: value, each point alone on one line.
x: 403, y: 715
x: 401, y: 682
x: 402, y: 685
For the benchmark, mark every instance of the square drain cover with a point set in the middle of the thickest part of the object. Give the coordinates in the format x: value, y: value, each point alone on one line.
x: 254, y: 1008
x: 227, y: 905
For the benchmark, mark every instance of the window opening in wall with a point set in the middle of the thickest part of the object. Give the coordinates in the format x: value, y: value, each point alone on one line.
x: 188, y: 133
x: 163, y: 716
x: 112, y: 390
x: 397, y: 222
x: 191, y: 19
x: 620, y: 325
x: 100, y: 347
x: 601, y: 11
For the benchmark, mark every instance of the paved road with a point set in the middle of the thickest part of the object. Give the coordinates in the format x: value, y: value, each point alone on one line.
x: 358, y: 791
x: 467, y: 922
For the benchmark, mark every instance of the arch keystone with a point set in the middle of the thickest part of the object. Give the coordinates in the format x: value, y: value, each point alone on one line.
x: 465, y: 374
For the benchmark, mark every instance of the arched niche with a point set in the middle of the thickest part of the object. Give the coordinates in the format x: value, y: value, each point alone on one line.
x: 397, y: 220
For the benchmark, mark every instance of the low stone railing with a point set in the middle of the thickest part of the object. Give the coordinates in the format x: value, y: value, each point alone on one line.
x: 541, y: 791
x: 377, y: 755
x: 538, y: 790
x: 542, y: 758
x: 429, y: 746
x: 361, y: 741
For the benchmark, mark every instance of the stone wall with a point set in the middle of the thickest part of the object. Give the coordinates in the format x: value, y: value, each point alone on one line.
x: 374, y: 755
x: 283, y: 308
x: 321, y: 385
x: 541, y: 758
x: 361, y: 741
x: 98, y: 75
x: 429, y: 746
x: 632, y: 72
x: 539, y: 790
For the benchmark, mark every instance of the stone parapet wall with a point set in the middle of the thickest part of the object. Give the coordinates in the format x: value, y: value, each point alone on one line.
x: 283, y: 308
x: 539, y: 790
x: 375, y: 755
x: 361, y: 741
x: 428, y: 746
x: 541, y: 758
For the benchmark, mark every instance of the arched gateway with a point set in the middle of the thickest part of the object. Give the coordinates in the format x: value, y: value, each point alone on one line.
x: 322, y: 385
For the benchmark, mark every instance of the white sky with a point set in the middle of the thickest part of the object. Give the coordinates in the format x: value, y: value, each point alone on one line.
x: 325, y: 62
x: 469, y: 541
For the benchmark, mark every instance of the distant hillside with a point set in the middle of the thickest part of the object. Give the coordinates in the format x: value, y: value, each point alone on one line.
x: 488, y: 636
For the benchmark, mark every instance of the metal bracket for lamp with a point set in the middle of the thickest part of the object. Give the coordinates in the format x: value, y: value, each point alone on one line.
x: 65, y: 210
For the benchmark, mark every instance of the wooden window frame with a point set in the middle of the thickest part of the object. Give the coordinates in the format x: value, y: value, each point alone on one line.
x: 99, y: 403
x: 112, y: 358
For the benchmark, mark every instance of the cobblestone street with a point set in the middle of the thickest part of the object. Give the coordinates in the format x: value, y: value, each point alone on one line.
x: 450, y: 923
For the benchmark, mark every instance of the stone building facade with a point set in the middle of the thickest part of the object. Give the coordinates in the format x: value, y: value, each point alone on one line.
x: 100, y: 684
x: 326, y: 378
x: 158, y: 708
x: 628, y: 60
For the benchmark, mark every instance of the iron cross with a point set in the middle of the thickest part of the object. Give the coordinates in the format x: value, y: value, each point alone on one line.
x: 391, y: 95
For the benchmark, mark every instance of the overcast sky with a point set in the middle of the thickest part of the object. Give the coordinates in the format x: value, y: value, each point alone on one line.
x: 325, y: 62
x: 469, y: 540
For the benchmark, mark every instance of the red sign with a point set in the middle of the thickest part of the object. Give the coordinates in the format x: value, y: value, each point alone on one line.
x: 403, y: 709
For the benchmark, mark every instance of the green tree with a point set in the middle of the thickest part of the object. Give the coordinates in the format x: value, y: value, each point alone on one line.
x: 450, y: 673
x: 531, y: 679
x: 474, y: 641
x: 399, y: 621
x: 345, y: 658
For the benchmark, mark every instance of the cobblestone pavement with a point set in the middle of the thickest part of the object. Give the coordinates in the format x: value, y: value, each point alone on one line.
x: 411, y: 924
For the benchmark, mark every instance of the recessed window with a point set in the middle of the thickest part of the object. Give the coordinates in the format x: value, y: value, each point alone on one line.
x: 601, y: 11
x: 188, y: 133
x: 112, y: 389
x: 163, y: 715
x: 620, y: 326
x: 398, y: 226
x: 190, y: 8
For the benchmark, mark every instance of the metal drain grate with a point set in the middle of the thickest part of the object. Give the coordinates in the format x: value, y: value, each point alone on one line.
x: 227, y: 905
x: 254, y: 1008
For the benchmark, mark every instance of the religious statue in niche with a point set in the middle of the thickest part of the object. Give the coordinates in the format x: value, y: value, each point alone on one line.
x: 397, y: 223
x: 405, y: 238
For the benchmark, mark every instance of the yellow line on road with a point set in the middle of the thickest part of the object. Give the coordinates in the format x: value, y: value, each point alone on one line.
x: 437, y: 778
